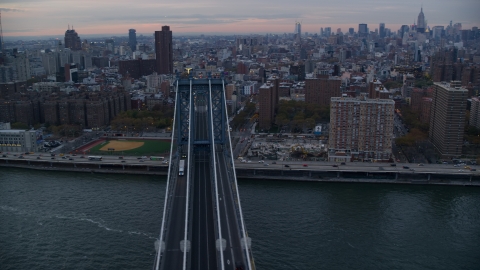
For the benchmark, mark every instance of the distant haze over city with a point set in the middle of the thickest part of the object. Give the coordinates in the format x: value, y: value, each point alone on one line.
x: 22, y: 18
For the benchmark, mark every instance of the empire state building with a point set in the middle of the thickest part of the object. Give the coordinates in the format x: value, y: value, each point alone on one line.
x: 421, y: 26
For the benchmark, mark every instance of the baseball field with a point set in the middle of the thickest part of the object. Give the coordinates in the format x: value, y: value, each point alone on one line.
x: 131, y: 147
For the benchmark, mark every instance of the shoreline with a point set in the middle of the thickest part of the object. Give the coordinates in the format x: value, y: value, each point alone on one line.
x: 260, y: 177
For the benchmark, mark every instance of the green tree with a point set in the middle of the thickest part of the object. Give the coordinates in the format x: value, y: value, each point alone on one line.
x: 19, y: 125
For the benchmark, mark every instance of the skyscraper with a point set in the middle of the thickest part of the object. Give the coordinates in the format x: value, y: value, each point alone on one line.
x: 164, y: 51
x: 362, y: 30
x: 447, y: 118
x: 421, y: 22
x: 132, y: 39
x: 328, y: 31
x: 298, y: 30
x: 382, y: 30
x: 72, y: 40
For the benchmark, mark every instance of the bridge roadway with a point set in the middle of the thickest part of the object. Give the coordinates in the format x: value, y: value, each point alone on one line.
x: 175, y: 230
x: 231, y: 231
x: 203, y: 251
x: 360, y: 167
x: 447, y: 169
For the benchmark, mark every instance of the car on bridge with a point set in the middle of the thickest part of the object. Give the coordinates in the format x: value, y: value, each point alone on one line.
x: 406, y: 167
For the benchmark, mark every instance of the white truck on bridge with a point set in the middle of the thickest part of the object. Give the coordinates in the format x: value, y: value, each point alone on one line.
x: 181, y: 168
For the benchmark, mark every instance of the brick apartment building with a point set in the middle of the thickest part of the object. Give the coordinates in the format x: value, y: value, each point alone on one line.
x: 266, y: 107
x: 136, y: 68
x: 89, y: 110
x: 164, y: 51
x: 322, y: 89
x: 360, y: 129
x: 421, y: 101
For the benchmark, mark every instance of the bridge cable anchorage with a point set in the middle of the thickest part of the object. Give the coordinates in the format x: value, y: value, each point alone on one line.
x: 236, y: 186
x: 212, y: 139
x: 189, y: 158
x: 167, y: 189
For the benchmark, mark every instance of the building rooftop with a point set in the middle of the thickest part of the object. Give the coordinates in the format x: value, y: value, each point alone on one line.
x: 453, y: 86
x: 11, y: 130
x: 362, y: 99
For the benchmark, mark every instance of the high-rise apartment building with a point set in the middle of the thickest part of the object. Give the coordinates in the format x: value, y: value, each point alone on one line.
x: 22, y: 67
x: 274, y: 81
x: 475, y: 113
x: 320, y: 90
x: 361, y: 129
x: 132, y: 39
x: 266, y: 106
x: 447, y: 118
x: 164, y: 50
x: 72, y: 40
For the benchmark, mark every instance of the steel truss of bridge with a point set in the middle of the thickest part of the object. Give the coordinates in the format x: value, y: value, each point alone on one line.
x: 202, y: 226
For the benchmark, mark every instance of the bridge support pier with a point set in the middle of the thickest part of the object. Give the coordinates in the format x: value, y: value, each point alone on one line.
x: 148, y: 168
x: 99, y: 166
x: 338, y: 174
x: 123, y: 167
x: 428, y: 177
x: 254, y: 172
x: 396, y: 176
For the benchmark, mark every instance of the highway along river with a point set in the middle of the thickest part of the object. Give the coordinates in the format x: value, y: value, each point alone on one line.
x: 59, y: 220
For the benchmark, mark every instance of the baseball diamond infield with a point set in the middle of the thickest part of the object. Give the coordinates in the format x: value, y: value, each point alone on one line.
x: 131, y: 147
x: 121, y: 145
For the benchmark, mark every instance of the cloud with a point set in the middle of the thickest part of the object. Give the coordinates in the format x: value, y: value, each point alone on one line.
x: 5, y: 31
x: 11, y: 10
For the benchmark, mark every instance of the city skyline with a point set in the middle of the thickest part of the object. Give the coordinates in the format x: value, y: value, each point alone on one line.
x: 51, y: 18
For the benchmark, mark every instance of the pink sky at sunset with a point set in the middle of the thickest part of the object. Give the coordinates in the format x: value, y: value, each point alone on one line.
x: 108, y: 17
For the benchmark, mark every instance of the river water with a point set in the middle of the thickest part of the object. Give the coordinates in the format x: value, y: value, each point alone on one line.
x: 59, y: 220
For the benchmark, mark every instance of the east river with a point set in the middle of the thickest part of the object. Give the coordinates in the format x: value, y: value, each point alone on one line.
x: 59, y: 220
